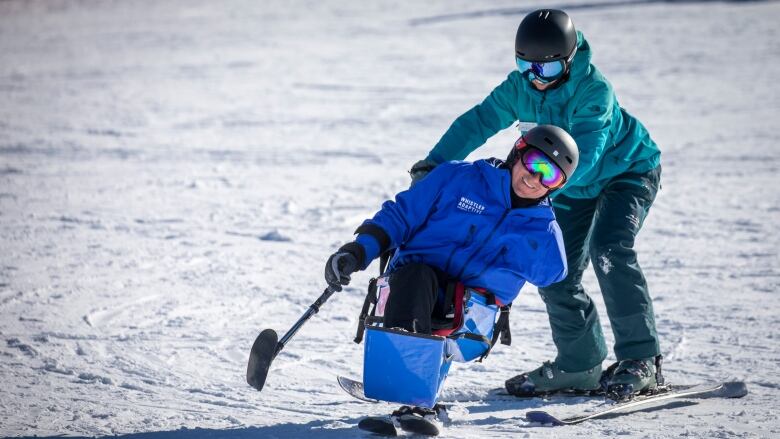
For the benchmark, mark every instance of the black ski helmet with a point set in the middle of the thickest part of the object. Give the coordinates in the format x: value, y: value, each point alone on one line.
x: 554, y: 142
x: 546, y: 35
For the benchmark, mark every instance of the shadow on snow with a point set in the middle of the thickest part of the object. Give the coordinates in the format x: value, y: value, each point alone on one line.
x: 344, y: 428
x: 347, y: 428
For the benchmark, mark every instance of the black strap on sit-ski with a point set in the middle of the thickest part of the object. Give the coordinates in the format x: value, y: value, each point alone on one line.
x: 371, y: 297
x: 449, y: 296
x: 501, y: 329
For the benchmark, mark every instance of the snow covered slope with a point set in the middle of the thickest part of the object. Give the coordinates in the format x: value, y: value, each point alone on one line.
x: 173, y: 175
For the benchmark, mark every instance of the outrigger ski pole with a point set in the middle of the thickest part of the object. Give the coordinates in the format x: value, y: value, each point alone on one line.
x: 266, y: 346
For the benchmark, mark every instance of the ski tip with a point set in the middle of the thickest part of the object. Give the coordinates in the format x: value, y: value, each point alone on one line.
x: 353, y: 388
x: 735, y: 389
x: 543, y: 418
x: 345, y: 381
x: 726, y: 389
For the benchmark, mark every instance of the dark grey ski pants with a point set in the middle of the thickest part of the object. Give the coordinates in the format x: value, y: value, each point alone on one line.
x: 602, y: 230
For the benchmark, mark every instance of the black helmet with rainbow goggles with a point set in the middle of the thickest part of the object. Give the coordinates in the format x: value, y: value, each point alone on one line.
x: 545, y: 45
x: 549, y: 151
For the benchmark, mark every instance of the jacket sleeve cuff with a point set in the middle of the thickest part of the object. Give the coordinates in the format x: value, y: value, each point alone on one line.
x: 374, y: 231
x: 370, y: 249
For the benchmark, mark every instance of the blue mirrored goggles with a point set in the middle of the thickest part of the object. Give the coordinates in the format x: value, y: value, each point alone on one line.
x: 544, y: 71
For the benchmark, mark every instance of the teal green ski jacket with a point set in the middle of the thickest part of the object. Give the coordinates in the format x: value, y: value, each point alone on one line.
x: 611, y: 141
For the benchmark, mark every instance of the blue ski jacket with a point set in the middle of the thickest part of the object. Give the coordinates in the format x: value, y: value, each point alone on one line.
x: 460, y: 220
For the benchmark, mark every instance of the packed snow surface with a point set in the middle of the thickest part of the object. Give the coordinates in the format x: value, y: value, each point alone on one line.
x: 174, y: 174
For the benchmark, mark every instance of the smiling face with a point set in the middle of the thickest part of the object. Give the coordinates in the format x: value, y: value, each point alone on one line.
x: 525, y: 184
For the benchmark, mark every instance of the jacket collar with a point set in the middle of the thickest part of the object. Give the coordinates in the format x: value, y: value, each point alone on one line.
x: 499, y: 181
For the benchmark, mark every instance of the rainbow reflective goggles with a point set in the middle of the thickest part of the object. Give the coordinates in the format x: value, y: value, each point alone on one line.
x: 537, y: 162
x: 542, y: 71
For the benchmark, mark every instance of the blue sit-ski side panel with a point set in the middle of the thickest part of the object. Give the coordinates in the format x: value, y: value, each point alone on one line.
x: 404, y: 367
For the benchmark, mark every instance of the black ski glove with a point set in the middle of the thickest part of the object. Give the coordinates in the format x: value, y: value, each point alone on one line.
x: 342, y: 264
x: 421, y: 169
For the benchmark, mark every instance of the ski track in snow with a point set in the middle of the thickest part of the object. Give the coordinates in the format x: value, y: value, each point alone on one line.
x: 174, y: 174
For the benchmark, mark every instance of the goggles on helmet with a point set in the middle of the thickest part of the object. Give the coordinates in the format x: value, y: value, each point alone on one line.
x: 537, y: 162
x: 543, y: 71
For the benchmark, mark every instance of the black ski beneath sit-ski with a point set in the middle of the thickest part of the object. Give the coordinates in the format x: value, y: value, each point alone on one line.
x: 381, y: 425
x: 414, y: 420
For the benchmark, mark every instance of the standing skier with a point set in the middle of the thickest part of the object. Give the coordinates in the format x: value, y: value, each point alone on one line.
x: 486, y: 226
x: 600, y: 211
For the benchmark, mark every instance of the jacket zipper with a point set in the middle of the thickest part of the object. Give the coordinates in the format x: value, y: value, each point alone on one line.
x: 541, y: 104
x: 474, y: 253
x: 470, y: 236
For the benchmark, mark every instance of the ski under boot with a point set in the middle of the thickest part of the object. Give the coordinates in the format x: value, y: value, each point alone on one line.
x: 381, y: 425
x: 549, y: 379
x: 628, y: 378
x: 415, y: 420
